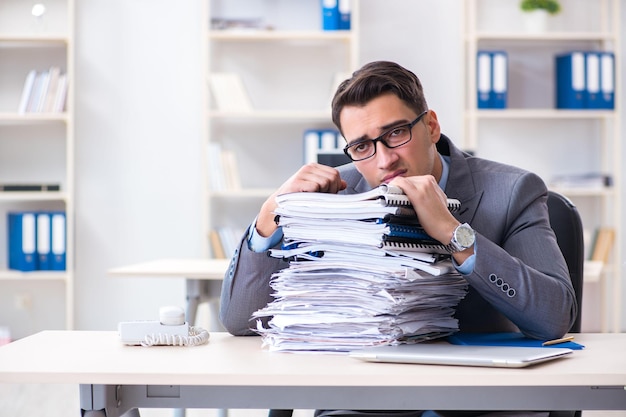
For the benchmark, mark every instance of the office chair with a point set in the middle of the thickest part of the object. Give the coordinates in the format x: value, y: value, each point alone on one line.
x: 568, y: 228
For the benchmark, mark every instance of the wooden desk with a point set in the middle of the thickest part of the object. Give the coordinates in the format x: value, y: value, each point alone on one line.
x: 203, y: 281
x: 235, y: 372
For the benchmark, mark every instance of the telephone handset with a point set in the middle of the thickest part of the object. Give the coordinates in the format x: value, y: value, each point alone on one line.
x: 171, y: 329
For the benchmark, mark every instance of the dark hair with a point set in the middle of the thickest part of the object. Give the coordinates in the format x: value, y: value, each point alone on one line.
x: 375, y: 79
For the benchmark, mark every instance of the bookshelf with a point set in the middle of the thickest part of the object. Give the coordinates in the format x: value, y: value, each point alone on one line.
x: 532, y: 133
x: 37, y: 147
x: 268, y: 69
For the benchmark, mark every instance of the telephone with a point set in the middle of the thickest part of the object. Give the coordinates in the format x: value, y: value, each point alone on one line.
x: 171, y: 329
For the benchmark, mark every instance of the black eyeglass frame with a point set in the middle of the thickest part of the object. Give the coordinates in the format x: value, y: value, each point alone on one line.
x: 382, y: 140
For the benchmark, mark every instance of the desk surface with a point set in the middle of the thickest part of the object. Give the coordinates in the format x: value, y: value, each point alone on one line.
x: 87, y: 357
x: 211, y: 269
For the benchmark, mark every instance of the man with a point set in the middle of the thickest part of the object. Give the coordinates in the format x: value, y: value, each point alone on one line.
x: 504, y: 246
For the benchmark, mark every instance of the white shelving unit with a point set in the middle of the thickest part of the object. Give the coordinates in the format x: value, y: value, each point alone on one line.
x: 36, y: 148
x: 289, y: 73
x: 532, y: 133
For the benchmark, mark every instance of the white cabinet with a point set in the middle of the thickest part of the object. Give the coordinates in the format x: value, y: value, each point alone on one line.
x: 276, y: 81
x: 36, y: 148
x: 530, y: 132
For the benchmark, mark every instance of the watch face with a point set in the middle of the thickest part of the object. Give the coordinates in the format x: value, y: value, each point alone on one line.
x: 464, y: 236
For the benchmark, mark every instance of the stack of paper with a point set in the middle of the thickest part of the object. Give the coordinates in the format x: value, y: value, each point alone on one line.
x: 344, y: 289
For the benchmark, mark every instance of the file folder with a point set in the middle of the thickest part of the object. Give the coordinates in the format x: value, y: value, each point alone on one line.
x: 570, y: 81
x: 607, y: 80
x: 43, y: 241
x: 22, y: 232
x: 499, y: 73
x: 483, y: 79
x: 58, y: 235
x: 324, y: 146
x: 330, y: 14
x: 344, y: 14
x: 592, y: 74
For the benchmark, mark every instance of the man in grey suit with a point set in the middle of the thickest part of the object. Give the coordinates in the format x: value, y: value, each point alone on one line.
x: 504, y: 245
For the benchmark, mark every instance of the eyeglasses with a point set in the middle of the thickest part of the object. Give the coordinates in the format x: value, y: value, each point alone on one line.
x: 393, y: 138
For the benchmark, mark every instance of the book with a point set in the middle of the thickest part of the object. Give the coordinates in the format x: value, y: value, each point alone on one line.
x: 26, y: 91
x: 216, y: 245
x: 605, y: 237
x: 30, y: 187
x: 60, y: 97
x: 229, y: 92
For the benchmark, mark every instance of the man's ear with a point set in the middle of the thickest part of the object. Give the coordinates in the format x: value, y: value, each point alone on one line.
x: 432, y: 123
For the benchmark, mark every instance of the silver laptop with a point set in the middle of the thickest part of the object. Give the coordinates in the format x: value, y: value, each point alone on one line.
x: 442, y: 353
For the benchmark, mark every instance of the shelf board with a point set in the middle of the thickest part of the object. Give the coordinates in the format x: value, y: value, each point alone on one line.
x: 542, y: 37
x: 12, y: 275
x: 12, y: 196
x: 541, y: 114
x: 259, y: 115
x: 279, y: 35
x: 243, y: 193
x: 30, y: 118
x: 49, y: 40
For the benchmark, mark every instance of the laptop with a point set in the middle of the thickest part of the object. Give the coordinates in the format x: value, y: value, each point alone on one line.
x: 442, y: 353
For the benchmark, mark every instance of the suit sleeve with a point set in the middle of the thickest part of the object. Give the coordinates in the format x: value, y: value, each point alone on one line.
x: 519, y: 268
x: 246, y: 288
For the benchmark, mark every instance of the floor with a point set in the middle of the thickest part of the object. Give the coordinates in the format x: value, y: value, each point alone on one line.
x: 60, y: 400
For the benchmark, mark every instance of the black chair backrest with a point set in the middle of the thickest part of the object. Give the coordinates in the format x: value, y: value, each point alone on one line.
x: 568, y: 228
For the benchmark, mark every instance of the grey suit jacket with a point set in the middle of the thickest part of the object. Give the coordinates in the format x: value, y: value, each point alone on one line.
x: 520, y: 280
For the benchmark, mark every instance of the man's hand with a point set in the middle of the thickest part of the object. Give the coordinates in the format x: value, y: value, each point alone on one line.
x: 431, y: 205
x: 310, y: 178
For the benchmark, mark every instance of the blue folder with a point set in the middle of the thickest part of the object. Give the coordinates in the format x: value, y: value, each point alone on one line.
x: 505, y: 339
x: 22, y: 240
x: 570, y: 81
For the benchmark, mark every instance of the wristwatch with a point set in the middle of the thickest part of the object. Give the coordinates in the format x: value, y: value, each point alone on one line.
x: 463, y: 237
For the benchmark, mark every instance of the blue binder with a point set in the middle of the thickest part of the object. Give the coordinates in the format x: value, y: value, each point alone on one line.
x: 592, y: 78
x: 44, y: 256
x: 483, y: 79
x: 570, y: 81
x: 22, y: 236
x: 499, y: 79
x: 607, y: 80
x: 58, y: 236
x: 344, y: 14
x: 330, y: 14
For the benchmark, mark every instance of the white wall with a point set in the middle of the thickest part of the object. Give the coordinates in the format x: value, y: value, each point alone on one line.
x: 138, y: 101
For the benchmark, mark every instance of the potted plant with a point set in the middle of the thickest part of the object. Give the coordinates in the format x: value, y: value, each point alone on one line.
x: 536, y: 13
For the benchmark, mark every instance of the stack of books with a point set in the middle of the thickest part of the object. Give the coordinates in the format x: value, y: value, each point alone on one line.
x: 362, y: 273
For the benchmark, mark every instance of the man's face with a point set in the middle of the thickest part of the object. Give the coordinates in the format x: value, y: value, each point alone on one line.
x: 417, y: 157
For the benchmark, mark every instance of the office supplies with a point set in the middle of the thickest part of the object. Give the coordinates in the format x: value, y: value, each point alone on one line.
x: 30, y: 187
x: 483, y: 79
x: 58, y: 239
x: 171, y: 330
x: 607, y: 80
x: 499, y: 73
x: 22, y: 231
x: 44, y: 241
x: 592, y: 78
x: 330, y: 14
x: 558, y: 341
x: 570, y: 81
x: 447, y: 354
x: 345, y: 14
x: 504, y: 339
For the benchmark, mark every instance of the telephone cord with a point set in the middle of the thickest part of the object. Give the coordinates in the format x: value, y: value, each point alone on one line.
x: 197, y: 336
